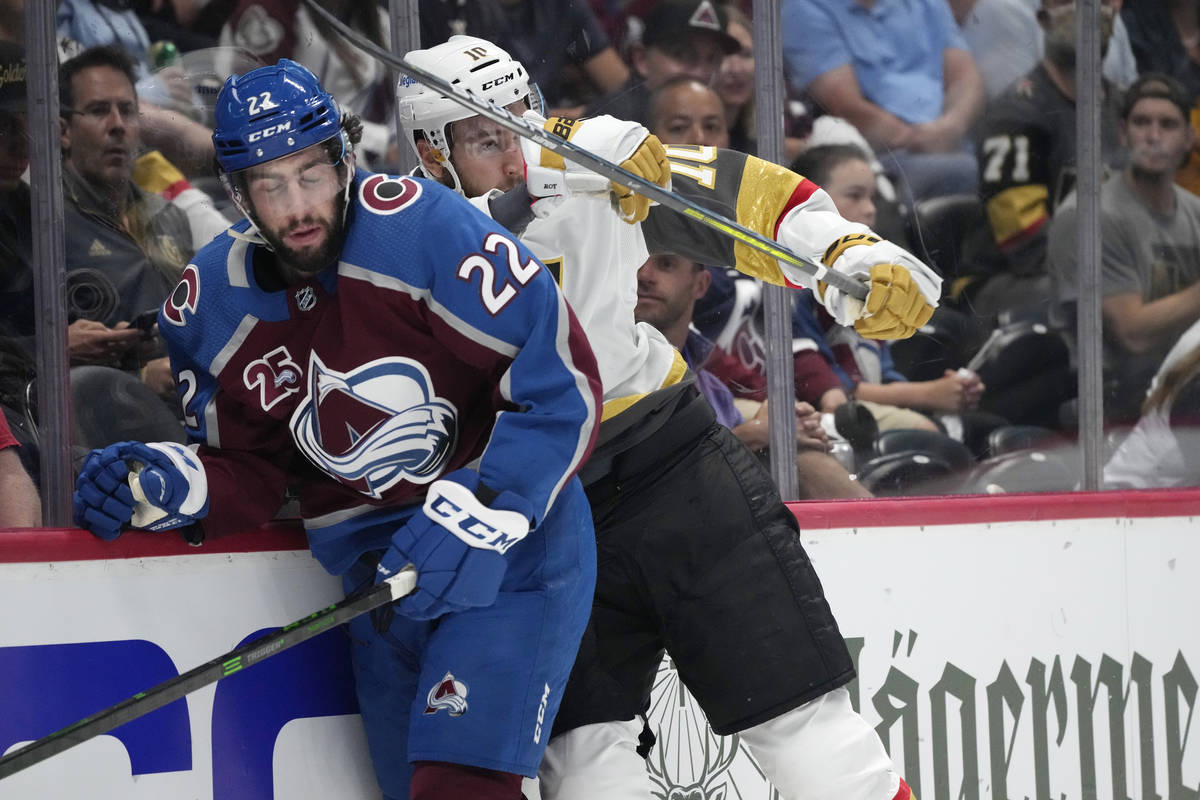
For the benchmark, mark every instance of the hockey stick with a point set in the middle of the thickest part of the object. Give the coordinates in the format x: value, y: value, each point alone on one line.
x: 585, y: 158
x: 221, y: 667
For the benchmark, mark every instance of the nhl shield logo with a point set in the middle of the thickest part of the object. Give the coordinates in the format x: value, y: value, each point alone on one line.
x: 449, y: 694
x: 306, y: 298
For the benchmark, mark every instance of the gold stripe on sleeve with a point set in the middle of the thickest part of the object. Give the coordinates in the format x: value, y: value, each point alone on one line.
x: 762, y: 196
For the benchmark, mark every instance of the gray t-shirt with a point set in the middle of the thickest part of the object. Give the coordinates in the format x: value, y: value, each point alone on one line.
x: 1141, y: 250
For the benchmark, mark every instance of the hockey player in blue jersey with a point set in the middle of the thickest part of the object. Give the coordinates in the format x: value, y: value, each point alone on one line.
x: 413, y: 374
x: 698, y: 555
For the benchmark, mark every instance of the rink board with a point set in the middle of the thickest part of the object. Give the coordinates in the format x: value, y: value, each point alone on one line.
x: 1016, y: 647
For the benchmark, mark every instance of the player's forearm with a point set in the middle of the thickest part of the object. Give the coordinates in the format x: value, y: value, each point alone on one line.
x: 556, y: 392
x: 247, y: 491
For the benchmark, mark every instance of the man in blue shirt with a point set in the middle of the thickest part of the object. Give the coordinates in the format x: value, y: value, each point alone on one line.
x: 900, y: 72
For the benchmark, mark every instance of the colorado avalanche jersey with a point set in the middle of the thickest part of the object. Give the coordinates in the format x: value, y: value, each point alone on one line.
x: 436, y: 341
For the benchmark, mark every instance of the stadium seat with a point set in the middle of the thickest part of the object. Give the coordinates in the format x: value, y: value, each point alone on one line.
x: 931, y: 443
x: 907, y: 472
x: 1026, y: 367
x: 1011, y: 438
x: 1023, y: 471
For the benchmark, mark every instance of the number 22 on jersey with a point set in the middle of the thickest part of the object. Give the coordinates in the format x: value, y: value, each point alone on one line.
x: 496, y: 294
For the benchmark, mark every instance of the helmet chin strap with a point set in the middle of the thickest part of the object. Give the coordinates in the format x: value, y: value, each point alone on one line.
x: 458, y: 187
x: 252, y: 234
x: 348, y: 161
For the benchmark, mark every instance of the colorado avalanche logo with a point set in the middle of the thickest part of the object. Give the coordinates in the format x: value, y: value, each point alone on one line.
x: 184, y: 298
x: 385, y: 195
x: 375, y: 425
x: 449, y: 694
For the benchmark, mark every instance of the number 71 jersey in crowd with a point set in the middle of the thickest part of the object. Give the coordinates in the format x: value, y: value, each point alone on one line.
x: 437, y: 341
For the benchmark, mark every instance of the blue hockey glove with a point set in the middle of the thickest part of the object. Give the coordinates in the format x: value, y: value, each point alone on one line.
x: 154, y: 486
x: 457, y: 543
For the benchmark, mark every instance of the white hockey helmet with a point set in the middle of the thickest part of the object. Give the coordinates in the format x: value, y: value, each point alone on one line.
x: 482, y: 68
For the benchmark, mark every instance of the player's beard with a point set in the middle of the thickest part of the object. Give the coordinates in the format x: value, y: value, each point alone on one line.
x: 309, y: 260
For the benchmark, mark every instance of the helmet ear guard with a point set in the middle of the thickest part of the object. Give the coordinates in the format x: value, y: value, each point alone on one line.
x: 470, y: 63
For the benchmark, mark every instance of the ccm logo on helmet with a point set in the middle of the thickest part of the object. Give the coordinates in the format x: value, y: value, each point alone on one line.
x: 497, y: 81
x: 269, y: 131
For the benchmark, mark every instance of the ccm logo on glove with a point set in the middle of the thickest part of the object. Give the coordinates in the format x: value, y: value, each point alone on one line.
x: 455, y: 508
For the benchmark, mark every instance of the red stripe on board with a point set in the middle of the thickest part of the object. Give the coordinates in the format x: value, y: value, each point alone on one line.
x: 24, y: 545
x: 967, y: 509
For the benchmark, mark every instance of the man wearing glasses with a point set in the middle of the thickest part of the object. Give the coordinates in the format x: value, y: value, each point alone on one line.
x: 125, y: 248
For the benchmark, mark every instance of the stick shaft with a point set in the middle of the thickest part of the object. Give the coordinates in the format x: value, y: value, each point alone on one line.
x: 594, y: 162
x: 219, y: 668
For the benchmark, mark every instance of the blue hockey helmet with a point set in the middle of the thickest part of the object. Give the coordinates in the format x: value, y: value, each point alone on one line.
x: 271, y: 112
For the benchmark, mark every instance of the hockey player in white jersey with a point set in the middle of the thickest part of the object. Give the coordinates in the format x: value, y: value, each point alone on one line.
x: 697, y: 554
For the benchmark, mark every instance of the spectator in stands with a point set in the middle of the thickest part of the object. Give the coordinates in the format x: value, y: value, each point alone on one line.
x: 685, y: 111
x: 833, y: 363
x: 668, y: 287
x: 679, y: 37
x: 1026, y: 156
x: 1165, y: 37
x: 92, y: 23
x: 188, y: 24
x: 275, y: 29
x: 126, y: 248
x: 1163, y: 449
x: 524, y: 28
x: 17, y: 310
x: 1150, y: 235
x: 1002, y: 36
x: 899, y: 72
x: 19, y: 503
x: 88, y: 341
x: 183, y: 140
x: 1006, y: 41
x: 735, y: 83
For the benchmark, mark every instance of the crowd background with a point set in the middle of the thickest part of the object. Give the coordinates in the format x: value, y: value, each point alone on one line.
x: 946, y: 125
